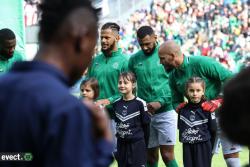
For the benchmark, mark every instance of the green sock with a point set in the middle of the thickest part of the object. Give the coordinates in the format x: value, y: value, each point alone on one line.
x: 172, y: 163
x: 152, y: 165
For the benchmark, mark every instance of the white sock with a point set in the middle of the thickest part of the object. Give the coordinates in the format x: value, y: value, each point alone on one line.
x: 233, y: 162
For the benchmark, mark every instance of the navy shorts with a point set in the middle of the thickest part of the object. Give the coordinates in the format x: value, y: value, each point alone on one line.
x: 197, y: 155
x: 131, y: 154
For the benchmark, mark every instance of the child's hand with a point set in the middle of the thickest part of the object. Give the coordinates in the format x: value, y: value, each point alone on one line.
x: 153, y: 106
x: 103, y: 102
x: 100, y: 121
x: 180, y: 106
x: 212, y: 105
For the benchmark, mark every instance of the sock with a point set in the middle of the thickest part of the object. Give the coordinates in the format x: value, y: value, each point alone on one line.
x: 233, y: 162
x: 152, y: 165
x: 172, y: 163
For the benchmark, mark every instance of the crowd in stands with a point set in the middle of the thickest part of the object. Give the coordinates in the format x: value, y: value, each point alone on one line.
x: 220, y: 29
x: 216, y: 28
x: 31, y: 12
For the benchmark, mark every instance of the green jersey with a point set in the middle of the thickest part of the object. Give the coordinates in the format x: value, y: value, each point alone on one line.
x: 152, y: 80
x: 106, y: 69
x: 6, y: 64
x: 211, y: 71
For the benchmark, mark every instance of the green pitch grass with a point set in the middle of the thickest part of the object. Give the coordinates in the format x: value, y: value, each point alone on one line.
x: 217, y: 161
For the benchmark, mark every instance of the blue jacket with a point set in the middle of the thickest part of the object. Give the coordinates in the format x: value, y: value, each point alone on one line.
x: 38, y: 115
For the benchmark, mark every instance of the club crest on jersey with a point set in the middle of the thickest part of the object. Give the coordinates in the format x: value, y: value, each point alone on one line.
x: 192, y: 117
x: 124, y: 112
x: 115, y: 65
x: 139, y: 64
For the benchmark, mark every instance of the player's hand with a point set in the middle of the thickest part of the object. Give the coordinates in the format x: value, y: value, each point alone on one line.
x: 212, y: 105
x: 153, y: 107
x: 102, y: 102
x: 180, y: 106
x: 100, y: 121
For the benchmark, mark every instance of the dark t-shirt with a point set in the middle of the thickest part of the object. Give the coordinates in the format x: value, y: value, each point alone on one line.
x: 131, y: 116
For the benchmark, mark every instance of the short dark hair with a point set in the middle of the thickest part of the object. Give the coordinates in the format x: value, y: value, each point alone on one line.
x: 234, y: 112
x: 6, y: 34
x: 93, y: 83
x: 54, y: 13
x: 111, y: 25
x: 144, y: 31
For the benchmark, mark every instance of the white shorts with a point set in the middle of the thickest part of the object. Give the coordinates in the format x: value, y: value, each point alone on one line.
x: 163, y: 129
x: 227, y: 146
